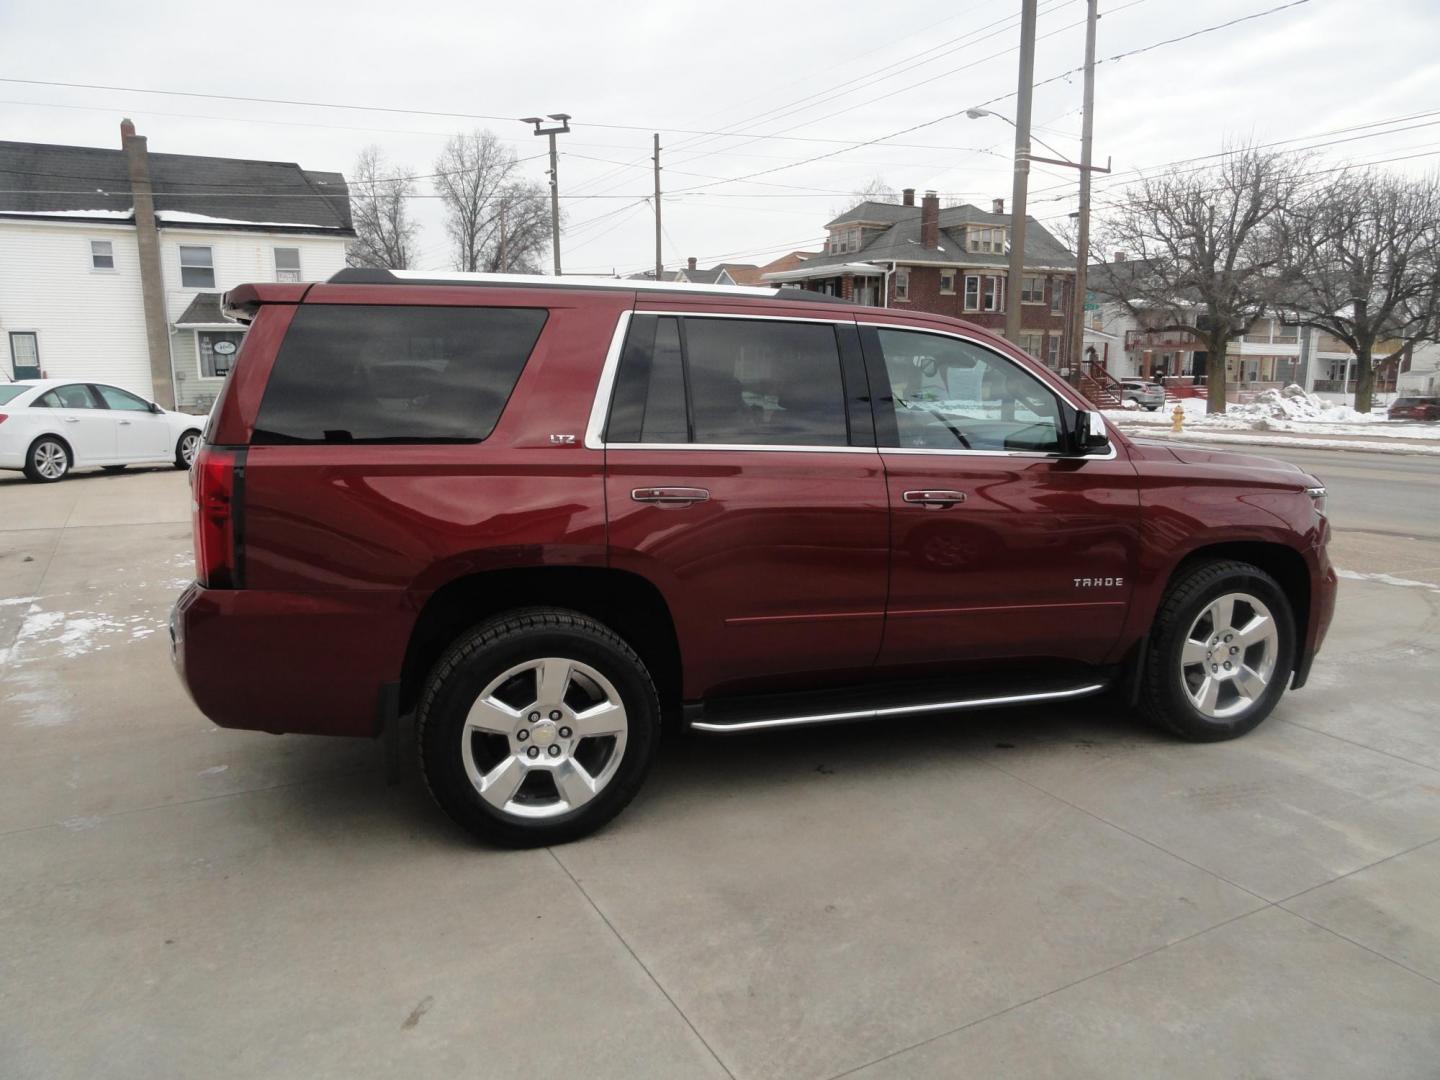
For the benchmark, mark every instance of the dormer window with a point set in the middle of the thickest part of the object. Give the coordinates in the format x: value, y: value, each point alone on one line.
x: 986, y: 241
x: 844, y: 240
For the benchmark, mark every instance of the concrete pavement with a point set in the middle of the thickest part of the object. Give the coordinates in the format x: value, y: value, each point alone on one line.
x: 1044, y: 892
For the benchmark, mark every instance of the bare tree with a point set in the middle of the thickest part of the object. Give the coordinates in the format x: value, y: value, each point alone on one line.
x: 1204, y: 251
x: 877, y: 190
x: 496, y: 219
x: 1365, y: 266
x: 379, y: 209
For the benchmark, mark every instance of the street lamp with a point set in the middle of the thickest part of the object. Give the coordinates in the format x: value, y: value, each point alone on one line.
x: 564, y: 121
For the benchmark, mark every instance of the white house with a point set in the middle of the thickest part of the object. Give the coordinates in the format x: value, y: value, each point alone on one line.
x: 112, y: 262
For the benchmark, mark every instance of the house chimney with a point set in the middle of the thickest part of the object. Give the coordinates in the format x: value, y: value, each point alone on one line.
x: 1120, y: 256
x: 907, y: 197
x: 691, y: 262
x: 997, y: 206
x: 930, y: 221
x: 152, y: 283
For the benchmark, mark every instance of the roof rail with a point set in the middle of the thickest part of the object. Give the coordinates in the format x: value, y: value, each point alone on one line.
x: 367, y: 276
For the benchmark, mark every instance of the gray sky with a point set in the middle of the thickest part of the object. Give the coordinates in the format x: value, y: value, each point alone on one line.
x: 824, y: 81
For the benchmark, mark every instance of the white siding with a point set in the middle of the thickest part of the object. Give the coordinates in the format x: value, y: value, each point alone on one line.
x: 238, y: 258
x: 90, y: 323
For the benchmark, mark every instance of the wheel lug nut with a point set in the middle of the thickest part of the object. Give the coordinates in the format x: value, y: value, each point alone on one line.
x: 1214, y: 667
x: 1233, y: 650
x: 522, y: 734
x: 555, y: 714
x: 1227, y: 665
x: 533, y: 752
x: 564, y: 732
x: 554, y: 751
x: 1228, y: 637
x: 534, y: 717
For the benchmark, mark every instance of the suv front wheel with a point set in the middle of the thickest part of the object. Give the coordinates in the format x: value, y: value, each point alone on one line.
x: 1221, y: 650
x: 537, y: 727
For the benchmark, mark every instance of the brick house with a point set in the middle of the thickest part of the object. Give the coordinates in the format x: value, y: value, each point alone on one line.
x: 952, y: 261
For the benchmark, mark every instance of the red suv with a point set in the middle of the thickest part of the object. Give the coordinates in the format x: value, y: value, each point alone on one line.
x: 545, y: 516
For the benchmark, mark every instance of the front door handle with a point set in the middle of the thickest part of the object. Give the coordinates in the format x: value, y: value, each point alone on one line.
x: 670, y: 496
x: 935, y: 500
x: 72, y: 419
x: 125, y: 422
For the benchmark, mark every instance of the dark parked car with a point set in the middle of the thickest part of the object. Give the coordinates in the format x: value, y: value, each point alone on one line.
x: 1415, y: 408
x: 548, y: 518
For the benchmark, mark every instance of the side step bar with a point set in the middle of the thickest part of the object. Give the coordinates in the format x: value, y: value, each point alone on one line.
x: 759, y: 723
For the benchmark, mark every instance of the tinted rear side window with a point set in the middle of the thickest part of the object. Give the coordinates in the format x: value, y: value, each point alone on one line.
x: 371, y: 374
x: 746, y: 383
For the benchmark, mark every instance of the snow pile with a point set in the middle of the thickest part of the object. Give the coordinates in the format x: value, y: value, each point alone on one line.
x: 1296, y: 404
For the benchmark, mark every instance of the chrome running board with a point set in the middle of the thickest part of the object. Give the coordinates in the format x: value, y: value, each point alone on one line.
x: 896, y: 710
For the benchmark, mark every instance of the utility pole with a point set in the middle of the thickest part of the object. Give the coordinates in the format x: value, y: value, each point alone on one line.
x: 659, y: 263
x: 564, y: 119
x: 1082, y: 236
x: 1022, y: 171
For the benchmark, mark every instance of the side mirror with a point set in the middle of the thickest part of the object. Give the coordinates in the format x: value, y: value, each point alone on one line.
x: 1090, y: 434
x: 155, y: 407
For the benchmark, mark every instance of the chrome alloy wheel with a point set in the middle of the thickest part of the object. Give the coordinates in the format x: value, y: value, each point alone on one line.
x: 189, y: 447
x: 544, y: 737
x: 51, y: 461
x: 1229, y: 654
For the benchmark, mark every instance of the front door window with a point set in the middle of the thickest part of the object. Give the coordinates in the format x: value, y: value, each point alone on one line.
x: 25, y: 355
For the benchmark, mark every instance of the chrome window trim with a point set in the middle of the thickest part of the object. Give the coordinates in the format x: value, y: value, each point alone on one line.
x: 600, y: 407
x: 1109, y: 455
x: 605, y: 389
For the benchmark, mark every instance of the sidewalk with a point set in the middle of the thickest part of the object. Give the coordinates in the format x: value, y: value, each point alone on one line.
x: 1316, y: 441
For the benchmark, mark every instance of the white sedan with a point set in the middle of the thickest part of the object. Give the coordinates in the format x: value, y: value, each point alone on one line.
x: 50, y: 426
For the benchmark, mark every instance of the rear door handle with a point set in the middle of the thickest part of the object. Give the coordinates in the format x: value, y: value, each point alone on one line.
x: 935, y: 500
x: 670, y: 496
x: 125, y: 421
x: 72, y: 419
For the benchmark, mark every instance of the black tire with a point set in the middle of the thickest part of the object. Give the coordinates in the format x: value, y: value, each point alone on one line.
x: 1152, y: 408
x: 484, y: 653
x: 1163, y: 698
x: 180, y: 444
x: 45, y: 446
x: 112, y: 468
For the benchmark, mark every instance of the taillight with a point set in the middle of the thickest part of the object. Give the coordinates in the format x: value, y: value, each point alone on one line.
x: 215, y: 486
x: 4, y: 417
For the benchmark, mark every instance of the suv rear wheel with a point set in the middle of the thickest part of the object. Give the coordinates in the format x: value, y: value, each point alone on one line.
x: 1221, y: 650
x: 537, y: 727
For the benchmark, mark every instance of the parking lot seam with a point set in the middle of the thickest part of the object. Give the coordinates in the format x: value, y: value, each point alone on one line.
x: 1360, y: 745
x: 60, y: 824
x: 643, y: 967
x: 1056, y: 990
x: 1358, y: 870
x: 1359, y: 944
x: 1133, y: 836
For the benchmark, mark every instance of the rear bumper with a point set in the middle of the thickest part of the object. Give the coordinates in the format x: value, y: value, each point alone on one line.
x: 310, y: 663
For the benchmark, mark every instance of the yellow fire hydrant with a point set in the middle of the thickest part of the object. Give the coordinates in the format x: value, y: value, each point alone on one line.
x: 1177, y: 419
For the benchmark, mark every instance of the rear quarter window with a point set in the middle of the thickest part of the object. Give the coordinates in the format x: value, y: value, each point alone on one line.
x: 373, y: 374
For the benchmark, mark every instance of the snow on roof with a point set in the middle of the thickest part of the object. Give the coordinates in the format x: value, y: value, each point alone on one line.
x: 118, y: 215
x: 179, y: 217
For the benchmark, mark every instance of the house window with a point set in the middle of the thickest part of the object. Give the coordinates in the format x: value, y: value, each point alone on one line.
x: 287, y: 264
x: 197, y: 267
x: 1057, y: 296
x: 217, y: 349
x: 1052, y: 350
x: 102, y: 255
x: 947, y: 282
x: 902, y: 283
x: 1032, y: 290
x: 992, y: 293
x: 989, y: 241
x: 844, y: 241
x: 972, y: 292
x: 1031, y: 343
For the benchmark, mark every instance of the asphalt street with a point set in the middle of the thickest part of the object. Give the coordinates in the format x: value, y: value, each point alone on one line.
x: 1035, y: 892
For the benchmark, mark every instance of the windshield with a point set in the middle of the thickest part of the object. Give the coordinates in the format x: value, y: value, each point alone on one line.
x: 12, y: 391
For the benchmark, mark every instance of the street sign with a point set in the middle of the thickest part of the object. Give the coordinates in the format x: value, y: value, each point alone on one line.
x: 1092, y: 303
